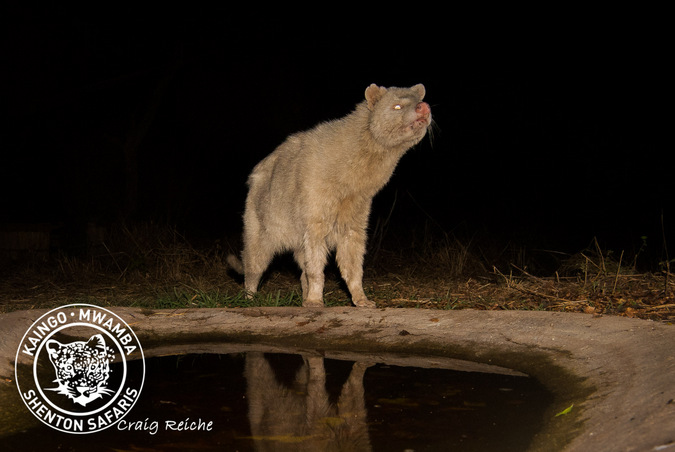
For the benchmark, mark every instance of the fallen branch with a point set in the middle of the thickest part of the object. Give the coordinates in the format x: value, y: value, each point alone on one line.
x: 543, y: 295
x: 657, y: 308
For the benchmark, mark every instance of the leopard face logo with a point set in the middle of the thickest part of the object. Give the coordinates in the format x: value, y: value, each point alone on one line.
x: 82, y: 368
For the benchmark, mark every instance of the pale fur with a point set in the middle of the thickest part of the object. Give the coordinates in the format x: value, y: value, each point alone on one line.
x: 303, y: 410
x: 313, y: 194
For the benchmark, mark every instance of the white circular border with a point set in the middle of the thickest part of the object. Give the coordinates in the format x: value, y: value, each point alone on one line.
x: 51, y: 333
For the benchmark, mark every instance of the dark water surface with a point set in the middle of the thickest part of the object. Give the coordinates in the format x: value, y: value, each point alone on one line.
x: 255, y: 401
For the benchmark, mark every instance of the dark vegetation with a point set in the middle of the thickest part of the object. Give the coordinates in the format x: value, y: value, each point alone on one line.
x: 151, y: 265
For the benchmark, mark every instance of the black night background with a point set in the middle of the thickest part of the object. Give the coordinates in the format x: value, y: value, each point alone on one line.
x: 548, y: 124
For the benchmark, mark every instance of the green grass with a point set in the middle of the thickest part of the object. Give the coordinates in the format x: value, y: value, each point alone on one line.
x: 188, y: 297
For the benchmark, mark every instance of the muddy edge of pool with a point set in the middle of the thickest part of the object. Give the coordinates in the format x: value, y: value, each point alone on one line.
x: 618, y: 372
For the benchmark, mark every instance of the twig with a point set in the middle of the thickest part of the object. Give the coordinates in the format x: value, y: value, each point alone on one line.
x: 602, y: 258
x: 550, y: 297
x: 523, y: 271
x: 665, y: 248
x: 586, y: 269
x: 508, y: 280
x: 406, y: 300
x: 663, y: 306
x: 616, y: 278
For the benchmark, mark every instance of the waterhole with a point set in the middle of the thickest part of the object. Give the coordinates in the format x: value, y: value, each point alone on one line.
x: 274, y: 401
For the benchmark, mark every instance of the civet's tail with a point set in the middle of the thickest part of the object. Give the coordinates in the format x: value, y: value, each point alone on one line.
x: 235, y: 264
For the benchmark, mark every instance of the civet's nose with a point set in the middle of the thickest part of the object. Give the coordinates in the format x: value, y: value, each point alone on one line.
x: 423, y: 109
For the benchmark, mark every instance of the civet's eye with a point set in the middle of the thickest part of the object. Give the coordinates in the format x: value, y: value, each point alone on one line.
x: 397, y: 107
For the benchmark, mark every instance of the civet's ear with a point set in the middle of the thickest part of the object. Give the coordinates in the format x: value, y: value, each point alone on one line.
x: 419, y: 90
x: 373, y: 94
